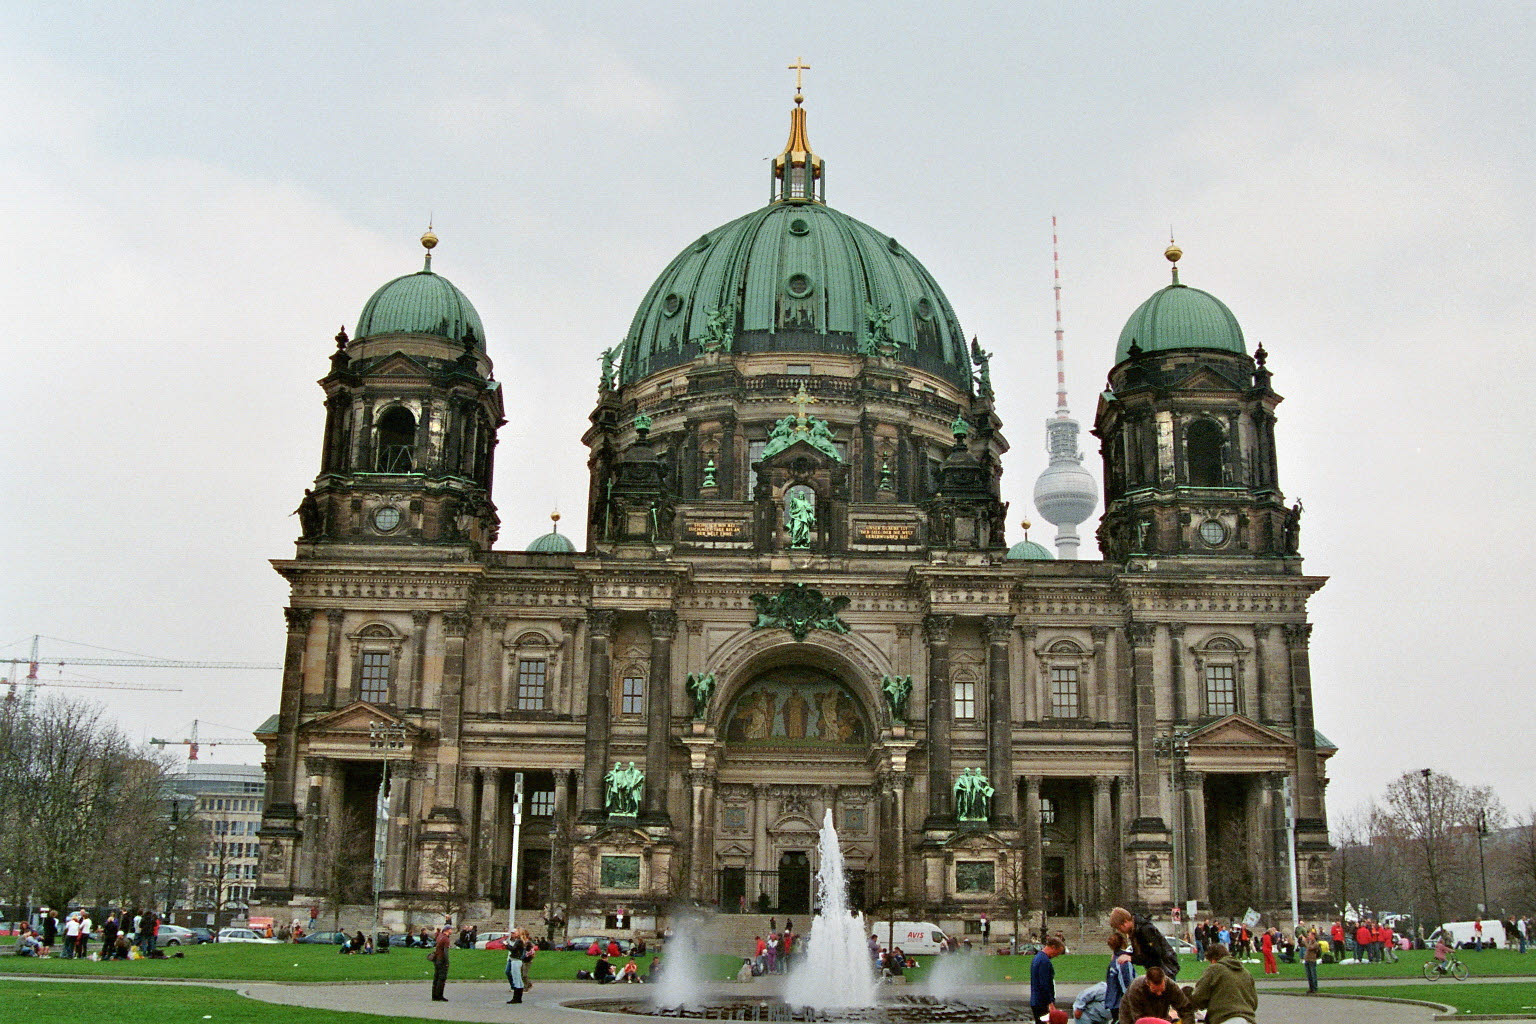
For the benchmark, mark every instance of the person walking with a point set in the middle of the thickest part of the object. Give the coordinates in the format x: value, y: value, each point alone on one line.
x: 1309, y: 960
x: 109, y: 936
x: 1042, y: 980
x: 439, y: 958
x: 1225, y: 991
x: 1267, y: 946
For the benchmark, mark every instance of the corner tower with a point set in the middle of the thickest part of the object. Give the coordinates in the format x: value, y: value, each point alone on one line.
x: 1187, y: 425
x: 410, y: 427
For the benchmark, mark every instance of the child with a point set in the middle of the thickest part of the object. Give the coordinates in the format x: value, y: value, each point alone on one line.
x: 1442, y: 954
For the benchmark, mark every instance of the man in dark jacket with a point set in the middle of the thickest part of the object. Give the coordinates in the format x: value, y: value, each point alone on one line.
x: 1155, y: 995
x: 1225, y: 991
x: 1148, y: 946
x: 1042, y: 980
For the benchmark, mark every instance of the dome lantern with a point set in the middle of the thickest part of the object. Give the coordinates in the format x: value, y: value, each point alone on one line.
x: 797, y: 171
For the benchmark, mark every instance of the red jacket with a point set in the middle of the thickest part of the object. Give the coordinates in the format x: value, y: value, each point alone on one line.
x: 1362, y: 936
x: 1337, y: 934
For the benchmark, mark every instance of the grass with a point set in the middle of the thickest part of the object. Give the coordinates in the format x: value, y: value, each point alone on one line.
x: 302, y: 962
x: 1466, y: 996
x: 25, y: 1003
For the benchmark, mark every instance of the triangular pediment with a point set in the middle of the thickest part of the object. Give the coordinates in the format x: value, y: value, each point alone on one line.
x: 356, y: 719
x: 800, y: 449
x: 1237, y: 730
x: 397, y: 364
x: 1208, y: 378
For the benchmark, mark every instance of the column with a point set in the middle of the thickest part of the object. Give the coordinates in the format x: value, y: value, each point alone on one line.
x: 1108, y: 709
x: 1104, y: 857
x: 998, y: 629
x: 659, y: 714
x: 594, y: 765
x: 419, y: 621
x: 940, y: 710
x: 700, y: 881
x: 760, y: 840
x: 279, y: 802
x: 1144, y: 721
x: 455, y: 626
x: 1196, y: 867
x: 1176, y: 669
x: 1031, y: 681
x: 562, y: 697
x: 490, y: 821
x: 1309, y: 804
x: 333, y: 619
x: 1034, y: 853
x: 560, y: 852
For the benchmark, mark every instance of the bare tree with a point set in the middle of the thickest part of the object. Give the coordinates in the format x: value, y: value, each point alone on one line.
x: 73, y: 790
x: 345, y: 869
x: 1427, y: 816
x: 448, y: 892
x: 1522, y: 866
x: 218, y: 869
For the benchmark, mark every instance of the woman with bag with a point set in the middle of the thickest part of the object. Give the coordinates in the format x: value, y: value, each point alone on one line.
x: 516, y: 953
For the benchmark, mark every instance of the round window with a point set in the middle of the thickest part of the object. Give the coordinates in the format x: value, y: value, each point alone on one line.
x: 893, y: 245
x: 1213, y: 533
x: 925, y: 309
x: 798, y: 285
x: 386, y: 518
x: 798, y: 226
x: 671, y: 304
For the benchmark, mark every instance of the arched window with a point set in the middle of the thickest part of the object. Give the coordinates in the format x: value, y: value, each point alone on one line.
x: 1202, y: 453
x: 397, y: 441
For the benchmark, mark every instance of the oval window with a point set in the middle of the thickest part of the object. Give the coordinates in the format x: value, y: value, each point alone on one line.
x: 925, y: 309
x: 671, y: 304
x: 798, y: 226
x: 798, y: 285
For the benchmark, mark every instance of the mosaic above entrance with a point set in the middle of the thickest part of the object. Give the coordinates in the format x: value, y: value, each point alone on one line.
x: 799, y: 710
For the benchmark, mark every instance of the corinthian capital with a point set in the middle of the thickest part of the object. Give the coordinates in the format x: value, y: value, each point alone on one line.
x: 936, y: 628
x: 1298, y: 634
x: 298, y: 619
x: 663, y: 624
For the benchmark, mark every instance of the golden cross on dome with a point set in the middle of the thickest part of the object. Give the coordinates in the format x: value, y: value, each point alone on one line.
x: 802, y: 399
x: 797, y: 67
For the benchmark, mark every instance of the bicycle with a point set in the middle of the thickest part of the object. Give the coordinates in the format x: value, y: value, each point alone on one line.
x: 1434, y: 970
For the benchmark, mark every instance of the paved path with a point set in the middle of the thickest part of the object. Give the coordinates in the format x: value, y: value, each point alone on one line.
x: 485, y: 1001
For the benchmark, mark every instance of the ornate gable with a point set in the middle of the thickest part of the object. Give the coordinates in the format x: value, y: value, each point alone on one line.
x: 1237, y: 731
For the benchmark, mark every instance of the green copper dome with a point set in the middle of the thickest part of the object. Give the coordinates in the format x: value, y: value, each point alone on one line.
x: 1028, y: 550
x: 553, y: 543
x: 420, y: 303
x: 797, y: 277
x: 1180, y: 317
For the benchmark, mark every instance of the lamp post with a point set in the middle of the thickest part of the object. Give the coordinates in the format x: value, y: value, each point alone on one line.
x: 1482, y: 830
x: 383, y: 737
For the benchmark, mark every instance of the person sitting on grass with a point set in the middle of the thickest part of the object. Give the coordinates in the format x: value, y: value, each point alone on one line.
x: 603, y: 971
x: 630, y: 973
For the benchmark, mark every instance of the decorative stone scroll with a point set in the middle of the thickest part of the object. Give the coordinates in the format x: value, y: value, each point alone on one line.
x: 799, y: 609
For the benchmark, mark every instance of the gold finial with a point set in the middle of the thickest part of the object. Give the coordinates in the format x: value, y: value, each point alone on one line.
x: 801, y: 400
x: 1172, y: 254
x: 797, y: 67
x: 1026, y: 524
x: 554, y: 518
x: 428, y: 242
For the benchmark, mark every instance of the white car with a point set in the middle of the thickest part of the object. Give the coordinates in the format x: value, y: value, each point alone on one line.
x: 243, y: 935
x: 488, y: 937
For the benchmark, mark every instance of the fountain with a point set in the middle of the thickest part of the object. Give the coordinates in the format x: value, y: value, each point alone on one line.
x: 835, y: 971
x: 681, y: 983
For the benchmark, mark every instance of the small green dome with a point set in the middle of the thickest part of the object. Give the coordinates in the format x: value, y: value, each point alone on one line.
x: 552, y: 543
x: 1028, y: 550
x: 797, y: 277
x: 1181, y: 317
x: 420, y: 303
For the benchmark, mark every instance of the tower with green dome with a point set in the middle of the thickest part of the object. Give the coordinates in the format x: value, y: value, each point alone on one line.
x: 1187, y: 427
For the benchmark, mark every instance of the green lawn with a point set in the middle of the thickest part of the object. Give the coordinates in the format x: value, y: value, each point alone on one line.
x: 1466, y: 996
x: 301, y: 962
x: 24, y: 1003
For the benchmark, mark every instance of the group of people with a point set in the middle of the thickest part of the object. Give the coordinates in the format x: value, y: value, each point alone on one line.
x: 1225, y: 991
x: 1366, y: 939
x: 120, y: 936
x: 773, y: 954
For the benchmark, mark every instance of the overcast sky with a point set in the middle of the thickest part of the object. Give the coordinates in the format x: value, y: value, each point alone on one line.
x: 197, y: 195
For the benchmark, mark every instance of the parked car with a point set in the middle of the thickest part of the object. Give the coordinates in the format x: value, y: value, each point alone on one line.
x: 485, y: 940
x: 203, y: 934
x: 326, y: 938
x: 176, y: 935
x: 244, y: 935
x: 584, y: 943
x: 1179, y: 946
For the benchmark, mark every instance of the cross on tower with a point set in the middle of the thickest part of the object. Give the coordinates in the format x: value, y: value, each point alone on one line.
x: 801, y: 400
x: 797, y: 67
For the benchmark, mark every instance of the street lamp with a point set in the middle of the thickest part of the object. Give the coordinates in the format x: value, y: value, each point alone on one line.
x: 383, y: 737
x: 1482, y: 830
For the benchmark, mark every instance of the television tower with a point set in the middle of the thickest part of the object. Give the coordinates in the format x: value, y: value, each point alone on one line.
x: 1065, y: 494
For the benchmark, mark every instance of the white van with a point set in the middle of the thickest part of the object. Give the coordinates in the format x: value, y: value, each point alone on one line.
x: 911, y: 936
x: 1461, y: 934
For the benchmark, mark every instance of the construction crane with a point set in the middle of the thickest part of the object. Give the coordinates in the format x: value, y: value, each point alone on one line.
x: 192, y: 742
x: 30, y: 682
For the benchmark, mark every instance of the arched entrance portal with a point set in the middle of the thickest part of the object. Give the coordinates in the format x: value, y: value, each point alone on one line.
x: 796, y: 742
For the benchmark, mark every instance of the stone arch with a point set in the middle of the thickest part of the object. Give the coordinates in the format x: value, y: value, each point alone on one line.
x: 854, y: 662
